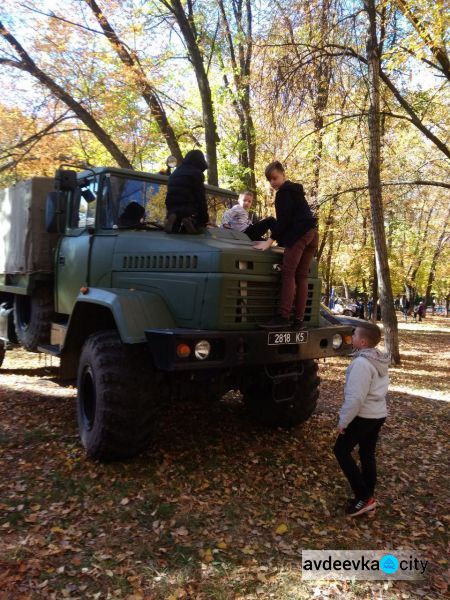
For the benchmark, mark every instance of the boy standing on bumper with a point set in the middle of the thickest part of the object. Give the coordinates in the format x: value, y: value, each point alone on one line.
x: 362, y: 416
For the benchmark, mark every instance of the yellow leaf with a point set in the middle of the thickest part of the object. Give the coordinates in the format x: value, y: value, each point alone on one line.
x: 222, y: 545
x: 281, y: 529
x: 208, y: 556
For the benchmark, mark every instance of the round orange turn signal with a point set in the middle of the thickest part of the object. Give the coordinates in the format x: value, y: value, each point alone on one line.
x: 183, y: 351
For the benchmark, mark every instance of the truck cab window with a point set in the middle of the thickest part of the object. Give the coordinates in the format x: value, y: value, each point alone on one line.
x: 126, y: 201
x: 84, y: 206
x: 217, y: 205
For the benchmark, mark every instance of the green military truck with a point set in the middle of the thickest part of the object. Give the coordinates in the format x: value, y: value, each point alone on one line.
x: 137, y: 315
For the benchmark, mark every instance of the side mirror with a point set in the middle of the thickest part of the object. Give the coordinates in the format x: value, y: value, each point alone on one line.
x: 55, y: 212
x: 88, y: 195
x: 66, y: 179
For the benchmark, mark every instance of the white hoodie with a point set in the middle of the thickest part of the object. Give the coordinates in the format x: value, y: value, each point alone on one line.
x: 366, y: 386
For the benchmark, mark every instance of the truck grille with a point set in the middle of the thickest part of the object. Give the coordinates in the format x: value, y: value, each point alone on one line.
x: 160, y: 261
x: 255, y: 301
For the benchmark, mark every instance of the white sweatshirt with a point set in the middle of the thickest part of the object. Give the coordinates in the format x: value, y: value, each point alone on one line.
x: 236, y: 218
x: 366, y: 386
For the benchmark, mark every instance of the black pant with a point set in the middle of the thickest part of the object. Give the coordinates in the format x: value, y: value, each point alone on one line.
x: 255, y: 231
x: 365, y: 433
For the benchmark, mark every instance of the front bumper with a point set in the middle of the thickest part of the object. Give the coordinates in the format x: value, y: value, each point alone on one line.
x: 239, y: 349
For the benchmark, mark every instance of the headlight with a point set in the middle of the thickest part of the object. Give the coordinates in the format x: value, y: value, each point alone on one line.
x: 337, y: 341
x: 202, y: 349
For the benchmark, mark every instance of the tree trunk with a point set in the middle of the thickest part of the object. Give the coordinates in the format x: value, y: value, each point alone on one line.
x: 189, y: 33
x: 240, y: 51
x: 346, y: 290
x: 329, y: 224
x: 375, y: 298
x: 29, y: 66
x: 374, y: 181
x: 443, y: 239
x: 328, y: 275
x: 322, y: 74
x: 148, y: 94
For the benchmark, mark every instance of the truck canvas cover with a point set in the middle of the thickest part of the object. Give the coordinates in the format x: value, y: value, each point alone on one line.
x: 25, y: 246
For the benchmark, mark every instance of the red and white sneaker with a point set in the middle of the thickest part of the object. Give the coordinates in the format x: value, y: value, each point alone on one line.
x: 358, y: 507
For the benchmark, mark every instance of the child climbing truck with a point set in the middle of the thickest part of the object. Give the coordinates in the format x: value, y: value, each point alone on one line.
x: 296, y: 230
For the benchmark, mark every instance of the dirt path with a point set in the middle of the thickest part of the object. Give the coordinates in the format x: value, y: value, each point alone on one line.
x: 197, y: 515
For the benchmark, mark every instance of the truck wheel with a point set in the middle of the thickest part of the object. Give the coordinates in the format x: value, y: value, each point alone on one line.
x: 33, y: 318
x: 2, y: 351
x: 260, y: 397
x: 115, y: 400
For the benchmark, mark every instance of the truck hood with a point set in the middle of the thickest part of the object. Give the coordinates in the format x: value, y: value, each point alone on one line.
x: 216, y: 250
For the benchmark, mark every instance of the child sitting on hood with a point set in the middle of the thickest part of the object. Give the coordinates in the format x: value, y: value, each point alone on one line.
x: 362, y: 415
x: 187, y: 210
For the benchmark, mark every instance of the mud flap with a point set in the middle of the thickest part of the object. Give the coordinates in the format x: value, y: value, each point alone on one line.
x: 6, y: 322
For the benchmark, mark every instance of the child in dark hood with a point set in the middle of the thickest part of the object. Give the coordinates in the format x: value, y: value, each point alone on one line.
x: 186, y: 206
x: 362, y: 415
x: 296, y: 229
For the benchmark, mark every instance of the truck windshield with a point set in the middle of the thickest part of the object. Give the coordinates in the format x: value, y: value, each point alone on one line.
x: 128, y: 202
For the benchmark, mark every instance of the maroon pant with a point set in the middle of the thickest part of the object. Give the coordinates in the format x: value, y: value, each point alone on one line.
x: 294, y: 274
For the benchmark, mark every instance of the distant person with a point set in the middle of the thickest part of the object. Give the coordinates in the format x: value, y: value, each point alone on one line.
x: 296, y: 230
x: 420, y: 311
x: 237, y: 217
x: 406, y: 309
x: 361, y: 417
x: 370, y: 309
x: 378, y: 311
x: 359, y: 309
x: 187, y: 210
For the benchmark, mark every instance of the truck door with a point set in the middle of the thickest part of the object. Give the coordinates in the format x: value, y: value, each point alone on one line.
x: 74, y: 249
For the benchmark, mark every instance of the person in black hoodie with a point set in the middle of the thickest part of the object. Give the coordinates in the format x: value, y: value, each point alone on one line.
x: 296, y: 230
x: 186, y: 206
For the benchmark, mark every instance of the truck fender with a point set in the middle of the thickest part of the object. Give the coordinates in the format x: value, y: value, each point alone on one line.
x: 131, y: 312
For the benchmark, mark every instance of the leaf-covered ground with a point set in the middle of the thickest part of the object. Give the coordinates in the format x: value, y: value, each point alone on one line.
x: 218, y: 507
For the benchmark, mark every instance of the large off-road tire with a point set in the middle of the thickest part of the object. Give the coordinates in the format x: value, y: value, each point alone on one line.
x: 2, y: 351
x: 116, y: 400
x: 33, y: 318
x: 260, y: 394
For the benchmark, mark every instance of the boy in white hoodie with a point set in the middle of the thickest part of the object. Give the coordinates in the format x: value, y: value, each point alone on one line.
x: 362, y: 415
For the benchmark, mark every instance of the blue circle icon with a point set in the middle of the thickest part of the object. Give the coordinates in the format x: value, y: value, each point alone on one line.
x: 389, y: 564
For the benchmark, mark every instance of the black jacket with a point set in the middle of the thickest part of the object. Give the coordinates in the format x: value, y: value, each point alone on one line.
x: 294, y: 216
x: 186, y: 191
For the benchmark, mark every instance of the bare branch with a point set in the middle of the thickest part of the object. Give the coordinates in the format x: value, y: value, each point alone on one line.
x: 328, y: 197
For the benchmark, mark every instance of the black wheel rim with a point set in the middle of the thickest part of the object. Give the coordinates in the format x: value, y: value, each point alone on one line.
x: 87, y: 399
x: 24, y: 312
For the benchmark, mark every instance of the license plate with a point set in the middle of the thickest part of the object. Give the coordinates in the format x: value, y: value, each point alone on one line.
x: 277, y: 338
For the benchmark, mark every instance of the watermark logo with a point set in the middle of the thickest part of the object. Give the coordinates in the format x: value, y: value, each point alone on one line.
x: 362, y: 564
x: 389, y: 564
